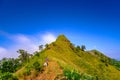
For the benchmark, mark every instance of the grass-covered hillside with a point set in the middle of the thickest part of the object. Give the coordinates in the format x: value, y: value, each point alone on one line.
x: 68, y: 62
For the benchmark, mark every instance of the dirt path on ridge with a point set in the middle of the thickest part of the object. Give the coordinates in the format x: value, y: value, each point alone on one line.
x: 50, y: 72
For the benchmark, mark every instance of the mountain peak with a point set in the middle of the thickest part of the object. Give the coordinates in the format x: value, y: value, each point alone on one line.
x: 62, y: 56
x: 62, y: 38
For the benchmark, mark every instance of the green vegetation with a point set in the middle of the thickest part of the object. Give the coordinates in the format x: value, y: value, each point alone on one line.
x: 36, y: 66
x: 24, y: 55
x: 106, y: 60
x: 8, y: 76
x: 75, y: 62
x: 74, y: 75
x: 27, y: 71
x: 71, y: 75
x: 83, y: 47
x: 115, y: 63
x: 40, y: 47
x: 9, y: 65
x: 78, y: 48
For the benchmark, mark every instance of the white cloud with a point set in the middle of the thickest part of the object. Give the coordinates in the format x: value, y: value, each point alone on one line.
x: 2, y: 50
x: 26, y: 42
x: 21, y: 38
x: 48, y: 38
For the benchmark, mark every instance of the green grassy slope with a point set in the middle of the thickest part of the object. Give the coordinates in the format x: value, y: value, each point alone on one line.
x: 62, y: 51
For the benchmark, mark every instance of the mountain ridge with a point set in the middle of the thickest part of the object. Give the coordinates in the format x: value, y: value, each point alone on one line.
x: 93, y: 64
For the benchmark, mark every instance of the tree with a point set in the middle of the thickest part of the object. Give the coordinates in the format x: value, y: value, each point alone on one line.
x: 8, y: 76
x: 83, y: 47
x: 78, y: 48
x: 36, y: 53
x: 72, y: 46
x: 36, y: 66
x: 24, y: 56
x: 40, y: 47
x: 46, y: 45
x: 9, y: 65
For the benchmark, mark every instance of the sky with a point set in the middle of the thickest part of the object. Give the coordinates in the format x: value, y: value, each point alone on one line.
x: 25, y: 24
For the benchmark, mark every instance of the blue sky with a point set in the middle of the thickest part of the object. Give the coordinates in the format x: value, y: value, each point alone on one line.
x: 28, y: 23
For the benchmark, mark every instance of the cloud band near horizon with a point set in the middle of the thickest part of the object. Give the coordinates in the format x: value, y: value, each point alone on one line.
x: 26, y: 42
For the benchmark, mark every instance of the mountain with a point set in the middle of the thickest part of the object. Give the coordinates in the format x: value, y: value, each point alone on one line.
x: 68, y: 62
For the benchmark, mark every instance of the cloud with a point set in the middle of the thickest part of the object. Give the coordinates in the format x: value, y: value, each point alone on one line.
x: 48, y: 38
x: 26, y: 42
x: 3, y: 51
x: 21, y: 38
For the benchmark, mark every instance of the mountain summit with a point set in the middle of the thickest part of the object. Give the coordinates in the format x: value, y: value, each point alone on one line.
x: 68, y: 62
x: 62, y: 38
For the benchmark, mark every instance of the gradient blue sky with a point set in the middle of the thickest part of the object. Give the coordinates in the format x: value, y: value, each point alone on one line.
x: 95, y: 23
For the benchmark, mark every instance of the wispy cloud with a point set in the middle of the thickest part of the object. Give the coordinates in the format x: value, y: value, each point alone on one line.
x: 48, y: 38
x: 26, y: 42
x: 3, y: 51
